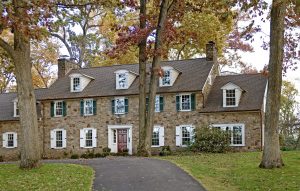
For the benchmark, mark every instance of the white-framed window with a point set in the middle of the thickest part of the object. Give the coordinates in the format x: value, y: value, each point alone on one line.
x: 166, y: 79
x: 230, y: 97
x: 159, y: 103
x: 88, y: 138
x: 76, y: 85
x: 158, y: 136
x: 58, y: 108
x: 115, y: 136
x: 122, y: 80
x: 16, y: 109
x: 185, y: 135
x: 58, y: 138
x: 9, y: 140
x: 119, y: 105
x: 185, y: 102
x: 237, y: 131
x: 88, y: 107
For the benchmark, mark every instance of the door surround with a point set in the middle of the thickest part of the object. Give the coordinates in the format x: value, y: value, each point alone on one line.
x: 114, y: 146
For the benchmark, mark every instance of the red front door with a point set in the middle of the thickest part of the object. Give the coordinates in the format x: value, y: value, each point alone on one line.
x: 122, y: 140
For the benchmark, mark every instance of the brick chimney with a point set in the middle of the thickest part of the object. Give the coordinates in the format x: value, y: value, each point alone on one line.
x: 64, y: 66
x: 211, y: 51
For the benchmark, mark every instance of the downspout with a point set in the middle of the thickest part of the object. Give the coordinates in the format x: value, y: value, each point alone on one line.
x: 43, y: 123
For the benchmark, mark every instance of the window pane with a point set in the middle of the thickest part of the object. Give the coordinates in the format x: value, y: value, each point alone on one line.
x: 10, y: 140
x: 155, y: 137
x: 185, y: 102
x: 59, y: 139
x: 76, y: 84
x: 115, y: 136
x: 237, y: 135
x: 120, y: 106
x: 230, y: 97
x: 58, y: 108
x: 157, y: 104
x: 88, y: 107
x: 122, y: 80
x: 89, y: 138
x: 186, y: 135
x: 166, y: 79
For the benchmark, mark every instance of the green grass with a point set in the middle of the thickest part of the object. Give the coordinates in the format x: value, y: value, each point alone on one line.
x: 239, y: 171
x: 47, y: 177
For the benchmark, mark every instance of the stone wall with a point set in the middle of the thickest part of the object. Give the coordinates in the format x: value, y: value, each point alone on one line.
x: 169, y: 119
x: 9, y: 153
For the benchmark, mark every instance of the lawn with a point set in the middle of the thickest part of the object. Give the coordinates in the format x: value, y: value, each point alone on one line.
x: 239, y: 171
x: 47, y: 177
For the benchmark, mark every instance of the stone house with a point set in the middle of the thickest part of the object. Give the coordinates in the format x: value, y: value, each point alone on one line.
x: 89, y: 109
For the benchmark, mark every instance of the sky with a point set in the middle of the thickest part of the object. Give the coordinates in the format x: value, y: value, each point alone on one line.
x: 260, y: 57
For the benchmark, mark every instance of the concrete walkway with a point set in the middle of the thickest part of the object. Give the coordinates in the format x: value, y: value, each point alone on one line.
x: 137, y: 174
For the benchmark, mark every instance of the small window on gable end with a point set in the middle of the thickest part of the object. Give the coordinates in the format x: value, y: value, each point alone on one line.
x: 16, y: 109
x: 76, y: 84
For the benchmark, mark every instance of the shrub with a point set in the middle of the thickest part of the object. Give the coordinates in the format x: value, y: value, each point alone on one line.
x: 90, y: 155
x: 106, y: 150
x: 288, y: 143
x: 84, y: 155
x: 212, y: 140
x: 75, y: 156
x: 165, y: 150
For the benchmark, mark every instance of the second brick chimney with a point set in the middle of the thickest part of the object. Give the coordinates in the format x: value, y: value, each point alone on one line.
x: 64, y: 66
x: 211, y: 51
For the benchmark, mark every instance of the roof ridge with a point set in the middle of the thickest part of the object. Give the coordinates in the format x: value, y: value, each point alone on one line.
x: 116, y: 65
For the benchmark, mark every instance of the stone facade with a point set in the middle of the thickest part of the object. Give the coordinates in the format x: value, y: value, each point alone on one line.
x: 169, y: 119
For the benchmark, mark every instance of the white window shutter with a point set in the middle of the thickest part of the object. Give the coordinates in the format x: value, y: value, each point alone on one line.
x: 15, y: 140
x: 64, y: 138
x: 82, y: 138
x: 161, y: 136
x: 52, y: 139
x: 192, y: 134
x: 4, y: 140
x: 94, y: 137
x: 178, y: 136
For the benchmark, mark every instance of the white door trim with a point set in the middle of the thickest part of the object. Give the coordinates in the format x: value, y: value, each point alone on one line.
x: 113, y: 146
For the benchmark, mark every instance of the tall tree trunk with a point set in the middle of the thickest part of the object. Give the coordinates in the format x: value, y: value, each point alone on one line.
x: 155, y: 71
x: 30, y: 152
x: 271, y: 154
x: 142, y: 82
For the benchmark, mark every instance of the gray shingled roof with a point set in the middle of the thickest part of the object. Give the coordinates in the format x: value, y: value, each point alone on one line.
x: 7, y: 105
x: 252, y: 98
x: 193, y: 75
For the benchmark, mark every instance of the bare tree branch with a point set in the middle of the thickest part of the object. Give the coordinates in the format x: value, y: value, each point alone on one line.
x: 9, y: 49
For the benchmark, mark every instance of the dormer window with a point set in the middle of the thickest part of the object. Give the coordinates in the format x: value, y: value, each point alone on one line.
x: 169, y: 77
x: 16, y: 109
x: 166, y: 79
x: 231, y: 95
x: 76, y: 84
x: 122, y: 81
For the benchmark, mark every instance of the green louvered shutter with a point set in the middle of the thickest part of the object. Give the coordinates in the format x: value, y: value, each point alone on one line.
x: 64, y: 108
x: 113, y: 106
x: 147, y: 103
x: 81, y: 107
x: 177, y: 102
x: 52, y: 109
x: 94, y: 107
x: 193, y: 102
x: 126, y: 105
x: 161, y: 103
